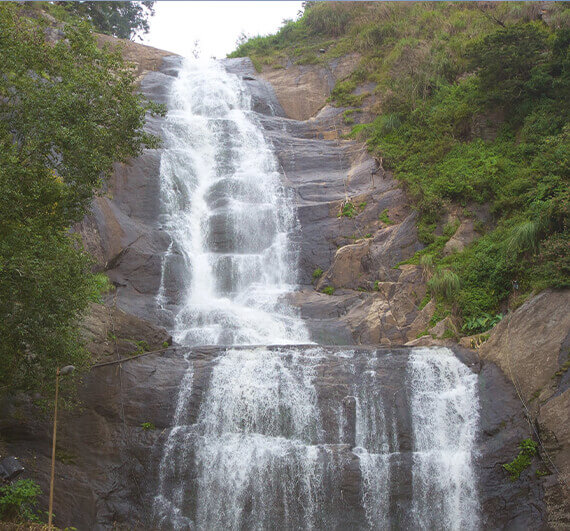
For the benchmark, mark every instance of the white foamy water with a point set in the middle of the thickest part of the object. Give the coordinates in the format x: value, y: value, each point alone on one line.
x: 444, y: 407
x: 231, y: 259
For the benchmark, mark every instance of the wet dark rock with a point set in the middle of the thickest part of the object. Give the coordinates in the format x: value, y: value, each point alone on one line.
x: 107, y: 472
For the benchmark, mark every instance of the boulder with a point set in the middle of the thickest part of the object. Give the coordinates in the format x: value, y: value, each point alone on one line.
x: 531, y: 344
x: 445, y: 328
x: 532, y: 347
x: 348, y: 267
x: 464, y: 235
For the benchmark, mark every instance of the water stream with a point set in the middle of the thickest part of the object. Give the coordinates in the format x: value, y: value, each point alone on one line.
x: 288, y: 437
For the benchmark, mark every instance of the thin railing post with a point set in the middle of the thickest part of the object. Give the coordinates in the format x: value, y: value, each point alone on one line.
x: 53, y: 452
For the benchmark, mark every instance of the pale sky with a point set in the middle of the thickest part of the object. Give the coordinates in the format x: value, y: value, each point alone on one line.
x: 216, y: 25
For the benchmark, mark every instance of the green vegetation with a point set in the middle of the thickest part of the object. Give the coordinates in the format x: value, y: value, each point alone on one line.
x: 18, y: 501
x: 471, y: 104
x: 69, y: 111
x: 328, y: 290
x: 444, y: 283
x: 317, y: 273
x: 148, y: 426
x: 563, y: 368
x: 424, y: 302
x: 475, y: 325
x: 528, y: 449
x: 347, y: 116
x: 383, y: 217
x: 125, y: 20
x: 142, y: 347
x: 64, y: 456
x: 348, y: 210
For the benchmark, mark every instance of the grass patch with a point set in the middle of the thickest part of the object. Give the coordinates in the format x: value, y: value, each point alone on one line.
x: 424, y: 302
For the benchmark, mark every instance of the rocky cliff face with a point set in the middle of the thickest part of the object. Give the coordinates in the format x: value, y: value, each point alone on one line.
x: 532, y: 348
x: 122, y: 231
x: 108, y: 462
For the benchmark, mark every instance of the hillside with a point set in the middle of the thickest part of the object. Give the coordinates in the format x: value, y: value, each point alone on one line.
x: 467, y: 105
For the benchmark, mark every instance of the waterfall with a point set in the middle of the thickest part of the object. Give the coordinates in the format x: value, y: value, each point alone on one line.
x: 228, y: 216
x: 444, y: 418
x: 290, y: 436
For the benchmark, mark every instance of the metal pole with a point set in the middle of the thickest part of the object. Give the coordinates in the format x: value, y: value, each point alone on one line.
x: 53, y: 452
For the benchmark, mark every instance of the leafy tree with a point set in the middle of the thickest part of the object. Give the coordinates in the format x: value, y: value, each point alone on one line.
x: 68, y: 111
x: 125, y: 20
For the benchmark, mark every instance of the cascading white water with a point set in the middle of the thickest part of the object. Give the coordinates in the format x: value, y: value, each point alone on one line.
x: 228, y: 217
x: 253, y: 445
x: 444, y: 419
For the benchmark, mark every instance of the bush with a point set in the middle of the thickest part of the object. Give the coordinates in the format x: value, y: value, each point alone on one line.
x: 383, y: 217
x: 524, y: 236
x: 328, y: 290
x: 317, y: 273
x: 528, y: 449
x: 474, y: 325
x: 18, y: 501
x: 347, y: 210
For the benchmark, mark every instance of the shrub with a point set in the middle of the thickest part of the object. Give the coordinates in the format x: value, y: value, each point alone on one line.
x: 100, y: 284
x: 427, y: 263
x: 317, y: 273
x: 528, y: 449
x: 328, y: 290
x: 18, y: 500
x: 552, y: 264
x: 348, y: 210
x: 148, y: 426
x: 474, y: 325
x: 524, y: 237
